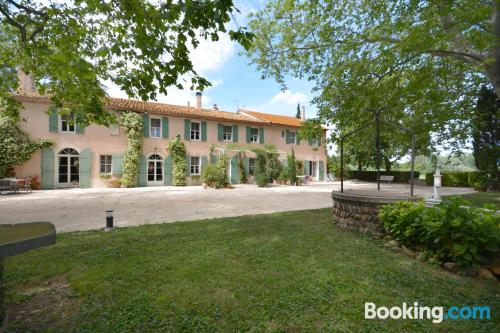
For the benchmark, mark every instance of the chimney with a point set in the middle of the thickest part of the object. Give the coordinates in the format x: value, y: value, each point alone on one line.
x: 198, y: 100
x: 26, y: 83
x: 303, y: 113
x: 189, y: 104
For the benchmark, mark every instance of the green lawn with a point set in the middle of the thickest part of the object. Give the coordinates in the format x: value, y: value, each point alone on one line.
x: 479, y: 199
x: 290, y: 272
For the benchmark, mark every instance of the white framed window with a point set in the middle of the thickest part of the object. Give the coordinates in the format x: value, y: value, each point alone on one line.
x: 67, y: 123
x: 251, y: 166
x: 195, y: 131
x: 228, y: 133
x: 105, y: 164
x: 293, y: 137
x: 195, y: 165
x: 254, y: 135
x: 155, y: 127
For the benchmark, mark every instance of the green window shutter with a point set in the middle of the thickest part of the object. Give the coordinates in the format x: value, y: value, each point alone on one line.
x: 164, y: 127
x: 187, y: 129
x: 261, y: 135
x: 167, y: 170
x: 85, y: 168
x: 204, y: 162
x: 220, y: 132
x: 214, y: 159
x: 235, y: 133
x: 142, y: 180
x: 306, y: 167
x: 53, y: 121
x: 321, y: 173
x: 79, y: 129
x: 203, y: 131
x: 287, y: 137
x: 145, y: 118
x: 117, y: 164
x: 235, y: 179
x: 297, y: 136
x: 246, y: 163
x: 188, y: 163
x: 248, y: 133
x: 48, y: 168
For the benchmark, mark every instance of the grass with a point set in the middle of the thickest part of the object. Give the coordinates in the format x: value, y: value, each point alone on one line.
x: 479, y: 199
x: 293, y: 272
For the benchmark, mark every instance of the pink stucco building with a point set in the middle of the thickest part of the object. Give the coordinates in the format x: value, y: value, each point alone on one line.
x: 81, y: 157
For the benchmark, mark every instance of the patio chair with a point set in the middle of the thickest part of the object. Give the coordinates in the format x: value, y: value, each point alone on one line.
x: 330, y: 177
x: 4, y: 185
x: 27, y: 185
x: 14, y: 186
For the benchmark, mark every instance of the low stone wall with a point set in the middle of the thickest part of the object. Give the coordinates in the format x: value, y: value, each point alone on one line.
x: 359, y: 212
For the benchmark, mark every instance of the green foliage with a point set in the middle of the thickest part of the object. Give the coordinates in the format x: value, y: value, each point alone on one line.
x: 292, y: 168
x: 215, y: 174
x: 15, y: 146
x: 143, y: 47
x: 420, y: 63
x: 478, y: 179
x: 132, y: 123
x: 371, y: 176
x: 260, y: 174
x: 177, y: 150
x: 451, y: 179
x: 241, y: 166
x: 273, y: 166
x: 446, y: 232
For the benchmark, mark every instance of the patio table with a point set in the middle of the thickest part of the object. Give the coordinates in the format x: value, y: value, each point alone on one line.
x: 16, y: 239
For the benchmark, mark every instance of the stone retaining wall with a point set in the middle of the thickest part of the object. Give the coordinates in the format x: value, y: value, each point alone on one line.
x: 357, y: 212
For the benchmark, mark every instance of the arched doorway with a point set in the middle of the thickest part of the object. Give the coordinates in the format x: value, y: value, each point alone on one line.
x: 68, y: 168
x: 155, y: 170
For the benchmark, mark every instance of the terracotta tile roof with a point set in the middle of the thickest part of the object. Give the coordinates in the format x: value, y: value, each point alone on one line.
x: 274, y: 118
x: 120, y: 104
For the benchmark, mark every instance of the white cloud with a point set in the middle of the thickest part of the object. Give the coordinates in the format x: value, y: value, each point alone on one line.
x: 211, y: 56
x: 289, y: 98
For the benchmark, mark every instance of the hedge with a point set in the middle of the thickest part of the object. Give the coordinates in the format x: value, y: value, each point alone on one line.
x: 456, y: 179
x: 371, y: 176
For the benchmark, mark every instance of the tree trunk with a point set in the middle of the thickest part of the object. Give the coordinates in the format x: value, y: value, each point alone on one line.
x: 388, y: 164
x: 360, y: 168
x: 493, y: 68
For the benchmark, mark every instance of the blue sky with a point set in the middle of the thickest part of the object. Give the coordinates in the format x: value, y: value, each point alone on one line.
x: 234, y: 79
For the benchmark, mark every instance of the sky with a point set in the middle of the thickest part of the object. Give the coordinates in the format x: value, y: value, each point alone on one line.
x: 234, y: 81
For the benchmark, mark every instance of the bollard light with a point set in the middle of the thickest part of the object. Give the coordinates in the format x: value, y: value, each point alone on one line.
x: 109, y: 219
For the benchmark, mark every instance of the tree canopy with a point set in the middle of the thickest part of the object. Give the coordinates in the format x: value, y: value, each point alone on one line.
x: 422, y: 62
x: 72, y: 47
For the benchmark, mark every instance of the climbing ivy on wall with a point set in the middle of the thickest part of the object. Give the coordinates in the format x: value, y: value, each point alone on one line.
x: 15, y: 146
x: 177, y: 150
x: 132, y: 123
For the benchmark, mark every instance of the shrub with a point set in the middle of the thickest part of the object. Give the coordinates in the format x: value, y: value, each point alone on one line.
x: 273, y: 166
x: 241, y: 166
x: 177, y: 150
x: 133, y: 124
x: 449, y: 231
x: 215, y: 174
x: 292, y: 168
x: 478, y: 179
x: 260, y: 174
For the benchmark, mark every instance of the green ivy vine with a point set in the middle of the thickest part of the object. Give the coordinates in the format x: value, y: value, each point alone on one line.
x: 177, y: 150
x: 133, y: 125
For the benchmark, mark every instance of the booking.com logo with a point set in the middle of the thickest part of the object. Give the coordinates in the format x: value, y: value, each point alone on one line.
x: 436, y: 313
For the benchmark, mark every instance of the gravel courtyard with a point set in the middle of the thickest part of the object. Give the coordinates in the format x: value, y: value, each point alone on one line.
x: 84, y: 209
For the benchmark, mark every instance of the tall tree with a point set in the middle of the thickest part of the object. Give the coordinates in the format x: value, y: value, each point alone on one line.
x: 72, y: 47
x: 297, y: 115
x: 486, y: 132
x: 417, y: 60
